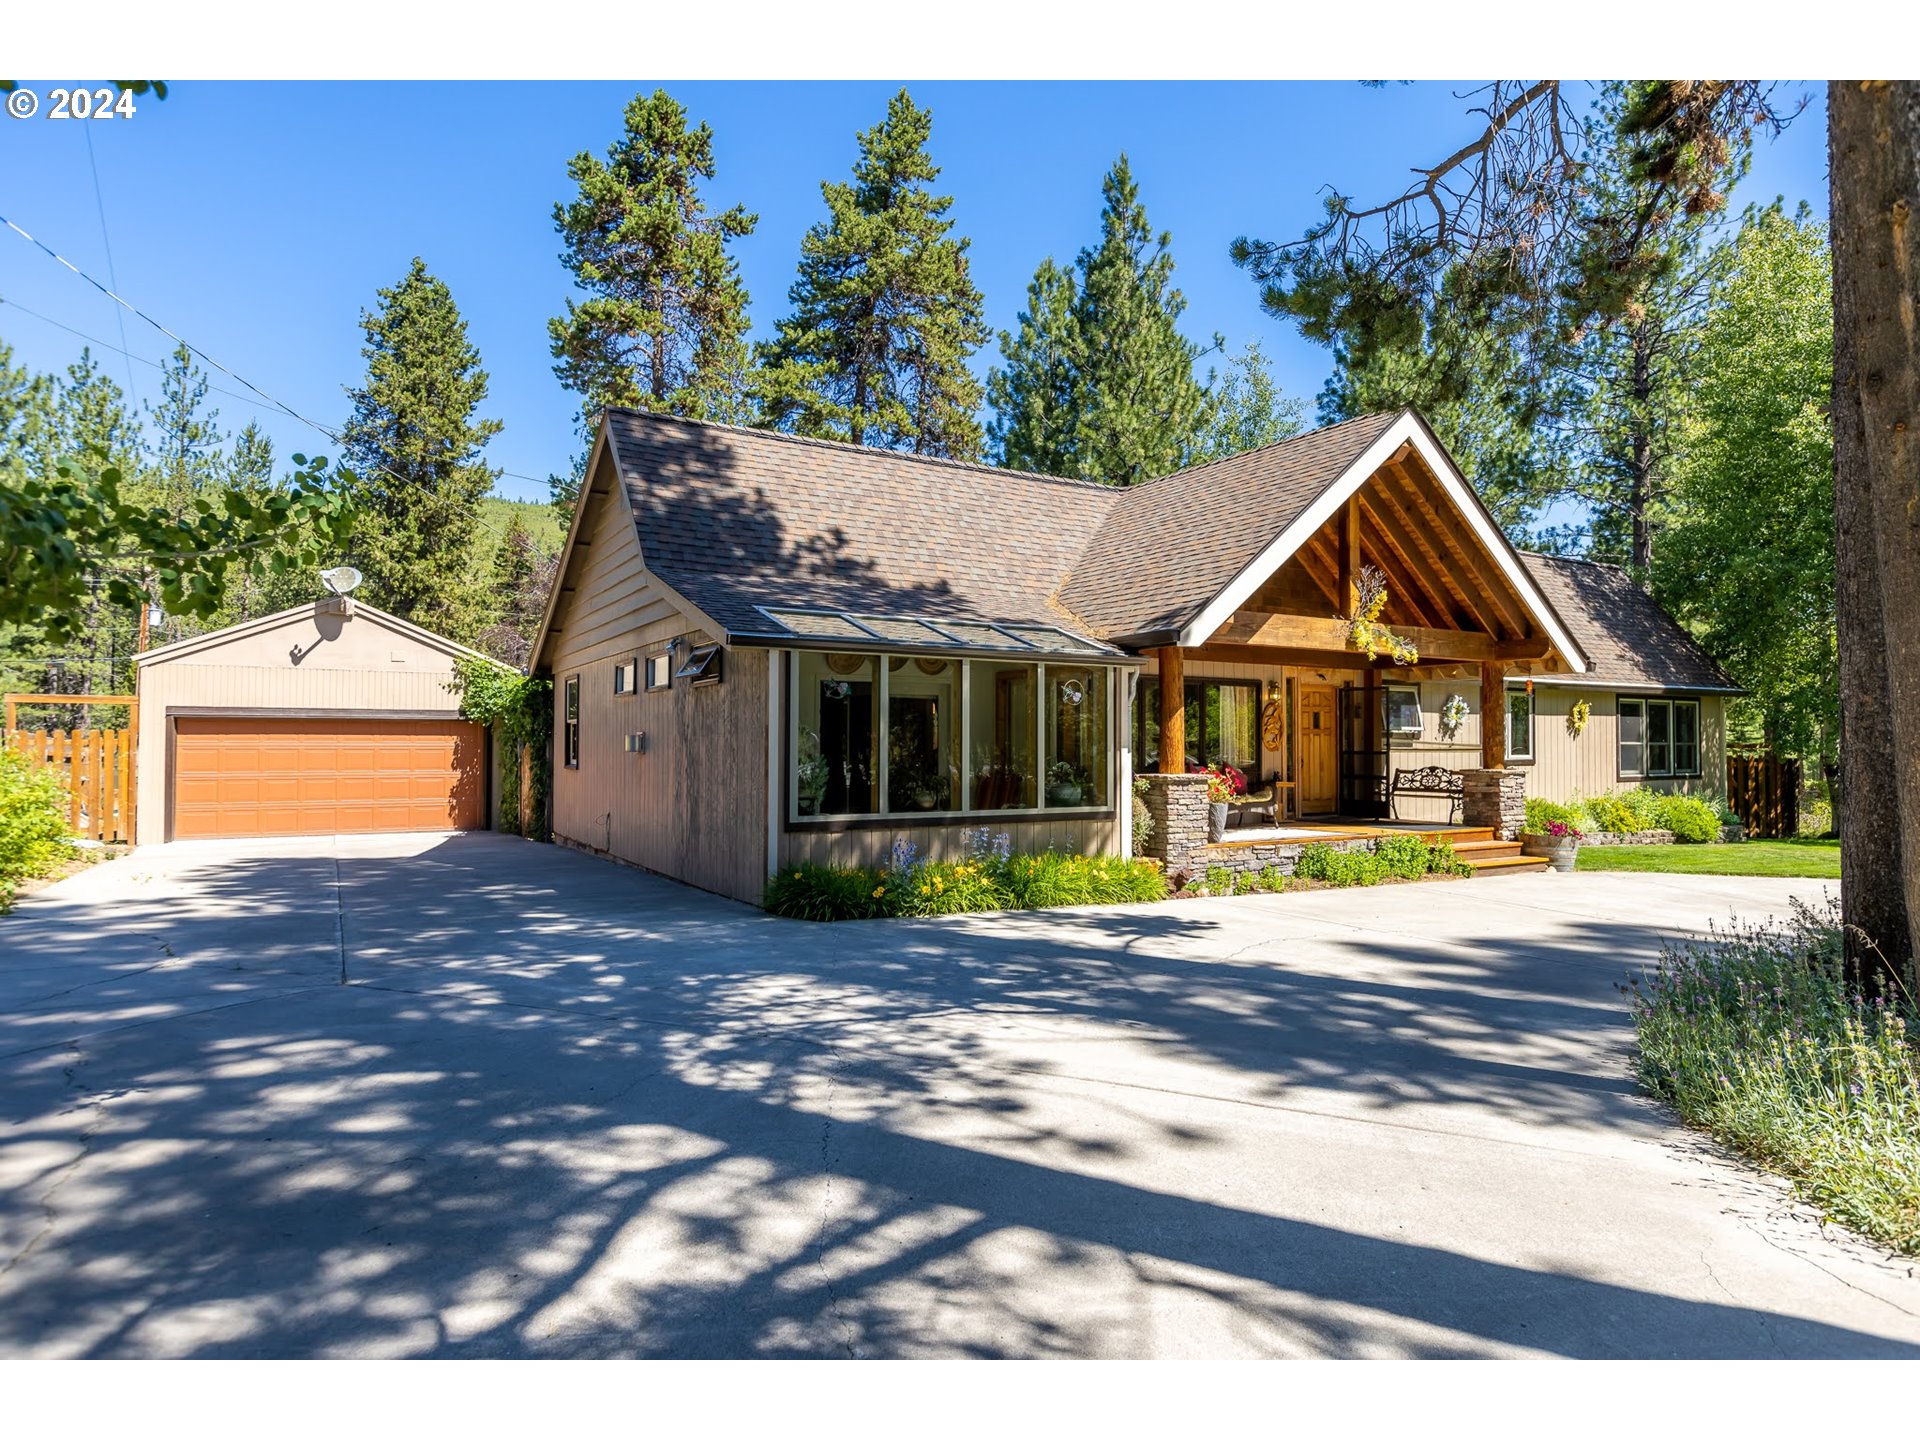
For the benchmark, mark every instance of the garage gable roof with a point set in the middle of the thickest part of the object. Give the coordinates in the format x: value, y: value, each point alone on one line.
x: 214, y: 639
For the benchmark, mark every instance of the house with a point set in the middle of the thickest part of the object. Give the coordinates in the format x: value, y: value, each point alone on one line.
x: 768, y: 649
x: 327, y: 718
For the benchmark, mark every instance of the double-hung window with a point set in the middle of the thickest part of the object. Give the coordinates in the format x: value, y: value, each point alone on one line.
x: 1519, y: 722
x: 1659, y: 738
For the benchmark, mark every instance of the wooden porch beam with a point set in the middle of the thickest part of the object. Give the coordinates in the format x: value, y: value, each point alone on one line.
x: 1407, y: 599
x: 1173, y: 709
x: 1319, y: 565
x: 1432, y: 554
x: 1440, y: 602
x: 1277, y: 656
x: 1349, y: 556
x: 1466, y: 550
x: 1312, y: 632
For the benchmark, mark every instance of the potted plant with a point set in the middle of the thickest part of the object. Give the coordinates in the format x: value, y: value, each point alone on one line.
x: 1065, y: 784
x: 1221, y: 790
x: 1558, y: 843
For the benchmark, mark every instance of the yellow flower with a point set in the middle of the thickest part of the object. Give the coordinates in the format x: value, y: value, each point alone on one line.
x: 878, y: 891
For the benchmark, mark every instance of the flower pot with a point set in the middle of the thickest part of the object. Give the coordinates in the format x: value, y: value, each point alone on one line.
x: 1063, y: 793
x: 1561, y: 853
x: 1216, y: 819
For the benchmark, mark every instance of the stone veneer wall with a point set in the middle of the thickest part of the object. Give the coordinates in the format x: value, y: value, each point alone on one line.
x: 1178, y: 805
x: 1495, y: 800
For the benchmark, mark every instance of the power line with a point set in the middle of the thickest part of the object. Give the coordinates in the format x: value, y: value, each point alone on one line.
x: 195, y: 350
x: 100, y: 205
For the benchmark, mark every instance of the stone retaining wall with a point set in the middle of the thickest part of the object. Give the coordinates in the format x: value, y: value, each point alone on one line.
x: 1250, y: 857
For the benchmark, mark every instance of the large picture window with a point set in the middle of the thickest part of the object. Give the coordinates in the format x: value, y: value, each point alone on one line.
x: 926, y: 735
x: 1223, y: 725
x: 1659, y: 738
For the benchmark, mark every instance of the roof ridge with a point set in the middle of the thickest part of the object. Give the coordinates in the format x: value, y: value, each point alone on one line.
x: 1576, y: 560
x: 1319, y: 431
x: 975, y: 466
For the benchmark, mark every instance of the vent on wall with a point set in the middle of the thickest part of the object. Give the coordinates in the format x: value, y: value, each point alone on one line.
x: 702, y: 667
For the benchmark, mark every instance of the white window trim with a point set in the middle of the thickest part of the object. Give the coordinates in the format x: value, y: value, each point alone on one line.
x: 1418, y: 709
x: 1506, y: 724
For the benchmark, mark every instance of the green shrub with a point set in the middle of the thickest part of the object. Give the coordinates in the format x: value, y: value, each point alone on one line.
x: 827, y: 892
x: 1219, y: 880
x: 1404, y: 857
x: 1442, y: 861
x: 1320, y: 861
x: 1756, y: 1037
x: 34, y: 837
x: 1692, y: 821
x: 1541, y: 813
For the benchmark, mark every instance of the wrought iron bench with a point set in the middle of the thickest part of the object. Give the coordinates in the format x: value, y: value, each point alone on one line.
x: 1434, y: 780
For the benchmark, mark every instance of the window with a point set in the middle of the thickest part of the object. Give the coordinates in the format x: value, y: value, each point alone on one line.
x: 1003, y: 734
x: 1659, y: 738
x: 571, y: 727
x: 1519, y: 725
x: 659, y: 671
x: 1076, y: 736
x: 1223, y: 724
x: 1403, y: 711
x: 624, y: 672
x: 938, y: 735
x: 923, y: 741
x: 702, y: 667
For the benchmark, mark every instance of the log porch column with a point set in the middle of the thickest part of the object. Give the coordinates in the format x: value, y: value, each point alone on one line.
x: 1493, y: 715
x: 1173, y: 710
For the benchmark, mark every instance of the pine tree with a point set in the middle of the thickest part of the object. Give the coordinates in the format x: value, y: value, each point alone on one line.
x: 187, y: 439
x: 1139, y: 404
x: 415, y: 443
x: 1099, y: 383
x: 665, y: 322
x: 518, y: 580
x: 885, y: 314
x: 91, y: 420
x: 1033, y: 396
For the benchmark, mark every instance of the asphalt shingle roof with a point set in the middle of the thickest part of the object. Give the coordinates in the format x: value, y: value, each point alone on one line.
x: 1628, y: 640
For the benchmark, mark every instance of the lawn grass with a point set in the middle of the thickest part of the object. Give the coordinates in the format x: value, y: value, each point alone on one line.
x: 1811, y: 859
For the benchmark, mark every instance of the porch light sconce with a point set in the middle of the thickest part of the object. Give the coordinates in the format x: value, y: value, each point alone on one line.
x: 1273, y: 689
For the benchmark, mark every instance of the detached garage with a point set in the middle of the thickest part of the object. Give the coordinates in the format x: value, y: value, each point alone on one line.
x: 333, y: 718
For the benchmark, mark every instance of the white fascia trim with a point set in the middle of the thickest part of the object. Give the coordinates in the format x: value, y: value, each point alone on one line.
x: 1407, y: 430
x: 538, y: 652
x: 373, y: 614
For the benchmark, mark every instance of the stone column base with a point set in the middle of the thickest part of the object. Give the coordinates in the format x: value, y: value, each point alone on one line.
x: 1495, y: 800
x: 1178, y: 805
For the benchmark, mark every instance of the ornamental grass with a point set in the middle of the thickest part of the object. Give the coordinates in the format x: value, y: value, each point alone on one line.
x: 1755, y: 1036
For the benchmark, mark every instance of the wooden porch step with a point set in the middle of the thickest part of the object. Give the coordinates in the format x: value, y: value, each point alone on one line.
x: 1506, y: 865
x: 1472, y: 850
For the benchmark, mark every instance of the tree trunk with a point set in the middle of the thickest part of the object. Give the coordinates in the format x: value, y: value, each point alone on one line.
x: 1642, y: 440
x: 1874, y: 155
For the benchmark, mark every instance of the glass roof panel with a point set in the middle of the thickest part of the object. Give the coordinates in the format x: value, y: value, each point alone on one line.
x: 907, y: 632
x: 808, y: 622
x: 971, y: 632
x: 1045, y: 637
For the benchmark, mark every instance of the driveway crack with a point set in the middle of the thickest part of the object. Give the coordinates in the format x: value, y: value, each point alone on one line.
x: 49, y: 1213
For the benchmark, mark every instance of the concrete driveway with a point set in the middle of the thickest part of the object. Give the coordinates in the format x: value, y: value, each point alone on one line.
x: 474, y: 1096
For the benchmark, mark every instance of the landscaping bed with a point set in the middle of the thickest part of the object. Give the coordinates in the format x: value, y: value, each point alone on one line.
x: 1756, y: 1036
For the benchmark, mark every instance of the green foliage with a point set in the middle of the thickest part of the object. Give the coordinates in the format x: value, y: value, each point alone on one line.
x: 1393, y: 857
x: 1321, y: 861
x: 1809, y: 859
x: 1247, y: 409
x: 1403, y: 857
x: 33, y: 823
x: 1756, y: 1037
x: 415, y: 444
x: 1692, y: 820
x: 1098, y: 382
x: 520, y: 710
x: 1747, y: 555
x: 665, y: 323
x: 1542, y: 812
x: 1219, y: 880
x: 1142, y: 817
x: 941, y: 887
x: 885, y: 313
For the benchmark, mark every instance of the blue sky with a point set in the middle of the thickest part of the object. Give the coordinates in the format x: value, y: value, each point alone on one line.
x: 258, y: 219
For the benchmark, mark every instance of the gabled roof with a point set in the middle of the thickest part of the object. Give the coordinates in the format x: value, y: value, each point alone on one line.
x: 1169, y: 546
x: 737, y: 521
x: 1630, y: 642
x: 212, y: 639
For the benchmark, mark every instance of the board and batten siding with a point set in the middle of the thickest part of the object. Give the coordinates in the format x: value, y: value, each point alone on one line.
x: 1565, y: 767
x: 316, y: 662
x: 692, y: 805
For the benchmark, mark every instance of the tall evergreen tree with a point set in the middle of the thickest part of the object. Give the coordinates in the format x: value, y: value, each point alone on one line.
x: 1099, y: 382
x: 1035, y: 420
x: 414, y: 442
x: 90, y: 420
x: 518, y: 579
x: 665, y: 322
x: 185, y: 433
x: 884, y: 311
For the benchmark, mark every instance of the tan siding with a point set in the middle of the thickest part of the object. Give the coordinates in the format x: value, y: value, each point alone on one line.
x: 343, y: 667
x: 693, y: 805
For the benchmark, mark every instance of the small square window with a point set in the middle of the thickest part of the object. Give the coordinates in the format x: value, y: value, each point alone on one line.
x: 624, y: 673
x: 659, y: 672
x: 1403, y: 712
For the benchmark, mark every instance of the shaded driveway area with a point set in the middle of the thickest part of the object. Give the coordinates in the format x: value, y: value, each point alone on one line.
x: 472, y: 1096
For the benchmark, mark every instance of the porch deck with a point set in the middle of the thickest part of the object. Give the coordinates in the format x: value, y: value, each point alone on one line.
x: 1302, y: 832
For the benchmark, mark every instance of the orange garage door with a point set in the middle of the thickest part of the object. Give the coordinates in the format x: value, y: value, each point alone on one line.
x: 236, y: 776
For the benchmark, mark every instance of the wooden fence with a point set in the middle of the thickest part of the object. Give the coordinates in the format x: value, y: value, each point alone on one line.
x: 1764, y: 791
x: 97, y: 768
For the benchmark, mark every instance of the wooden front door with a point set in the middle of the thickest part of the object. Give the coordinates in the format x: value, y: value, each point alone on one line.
x: 1319, y: 757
